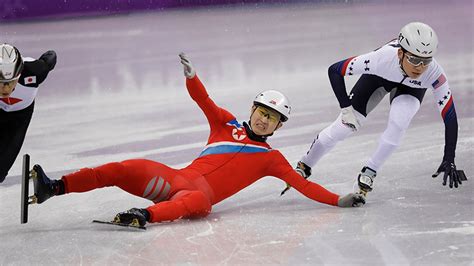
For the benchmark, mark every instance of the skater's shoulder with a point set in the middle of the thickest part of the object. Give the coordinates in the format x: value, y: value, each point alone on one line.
x: 34, y: 72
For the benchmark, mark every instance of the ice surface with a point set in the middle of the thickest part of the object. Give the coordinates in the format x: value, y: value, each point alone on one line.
x: 118, y: 92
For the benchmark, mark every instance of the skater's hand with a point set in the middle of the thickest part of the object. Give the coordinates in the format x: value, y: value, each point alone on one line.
x: 349, y: 118
x: 189, y: 70
x: 450, y: 172
x: 49, y: 58
x: 351, y: 200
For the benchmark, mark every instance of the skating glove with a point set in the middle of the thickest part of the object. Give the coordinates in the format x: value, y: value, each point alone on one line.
x: 450, y: 172
x: 351, y: 200
x: 49, y: 58
x: 189, y: 70
x: 349, y: 118
x: 133, y: 216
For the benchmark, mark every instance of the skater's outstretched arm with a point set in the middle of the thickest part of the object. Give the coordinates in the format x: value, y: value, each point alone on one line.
x: 283, y: 170
x: 198, y: 93
x: 39, y: 69
x: 445, y: 102
x: 319, y: 193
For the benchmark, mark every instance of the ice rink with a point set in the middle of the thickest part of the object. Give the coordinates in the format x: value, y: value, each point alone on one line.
x: 118, y: 92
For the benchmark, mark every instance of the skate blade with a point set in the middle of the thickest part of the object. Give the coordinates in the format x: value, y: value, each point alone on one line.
x: 32, y: 199
x: 33, y: 174
x: 363, y: 192
x: 133, y: 223
x: 120, y: 224
x: 285, y: 190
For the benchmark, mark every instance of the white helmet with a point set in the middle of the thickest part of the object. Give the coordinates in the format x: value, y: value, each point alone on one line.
x: 11, y: 63
x: 418, y: 39
x: 274, y: 100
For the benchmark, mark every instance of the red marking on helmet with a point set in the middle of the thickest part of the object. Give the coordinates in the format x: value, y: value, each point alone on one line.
x: 273, y: 102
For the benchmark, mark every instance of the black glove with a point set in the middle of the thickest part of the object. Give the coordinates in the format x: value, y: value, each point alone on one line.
x: 455, y: 176
x: 133, y: 217
x: 49, y: 58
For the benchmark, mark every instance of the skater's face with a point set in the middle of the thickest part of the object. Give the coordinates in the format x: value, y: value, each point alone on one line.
x: 6, y: 88
x: 413, y: 65
x: 264, y: 121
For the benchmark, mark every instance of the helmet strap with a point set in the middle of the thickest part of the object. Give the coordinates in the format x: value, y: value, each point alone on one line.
x: 400, y: 63
x: 252, y: 134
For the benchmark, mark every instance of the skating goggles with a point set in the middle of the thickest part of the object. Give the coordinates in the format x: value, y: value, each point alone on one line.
x: 8, y: 82
x: 416, y: 61
x: 264, y: 112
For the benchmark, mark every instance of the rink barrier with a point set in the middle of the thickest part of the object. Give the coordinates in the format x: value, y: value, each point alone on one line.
x: 20, y: 10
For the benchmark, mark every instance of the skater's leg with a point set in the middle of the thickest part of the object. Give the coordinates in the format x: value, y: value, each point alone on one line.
x: 132, y: 176
x: 88, y: 179
x: 184, y: 204
x: 13, y: 127
x: 403, y: 109
x: 143, y: 178
x: 327, y: 139
x: 365, y: 95
x: 405, y: 103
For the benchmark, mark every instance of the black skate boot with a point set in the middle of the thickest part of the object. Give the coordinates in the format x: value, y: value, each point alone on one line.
x: 301, y: 168
x: 365, y: 180
x: 45, y: 188
x: 133, y: 217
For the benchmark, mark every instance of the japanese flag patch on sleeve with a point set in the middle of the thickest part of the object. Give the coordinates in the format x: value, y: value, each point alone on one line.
x: 30, y: 80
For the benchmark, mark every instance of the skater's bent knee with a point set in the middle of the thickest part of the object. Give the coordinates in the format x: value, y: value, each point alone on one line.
x: 197, y: 204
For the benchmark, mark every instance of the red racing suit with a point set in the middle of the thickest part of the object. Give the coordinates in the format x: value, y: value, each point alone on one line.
x: 229, y: 162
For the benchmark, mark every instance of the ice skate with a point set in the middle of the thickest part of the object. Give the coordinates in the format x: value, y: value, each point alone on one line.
x: 365, y: 181
x: 133, y: 217
x: 43, y: 186
x: 302, y: 169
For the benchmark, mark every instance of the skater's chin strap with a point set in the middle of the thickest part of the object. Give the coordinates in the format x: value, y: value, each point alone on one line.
x: 254, y: 136
x: 400, y: 64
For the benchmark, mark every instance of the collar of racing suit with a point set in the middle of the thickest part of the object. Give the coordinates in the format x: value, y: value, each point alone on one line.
x: 254, y: 136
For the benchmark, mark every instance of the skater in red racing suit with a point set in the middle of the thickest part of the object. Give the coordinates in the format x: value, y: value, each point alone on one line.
x: 235, y: 156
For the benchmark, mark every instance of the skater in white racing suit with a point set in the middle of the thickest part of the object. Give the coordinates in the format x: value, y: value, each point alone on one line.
x: 19, y: 81
x: 405, y: 69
